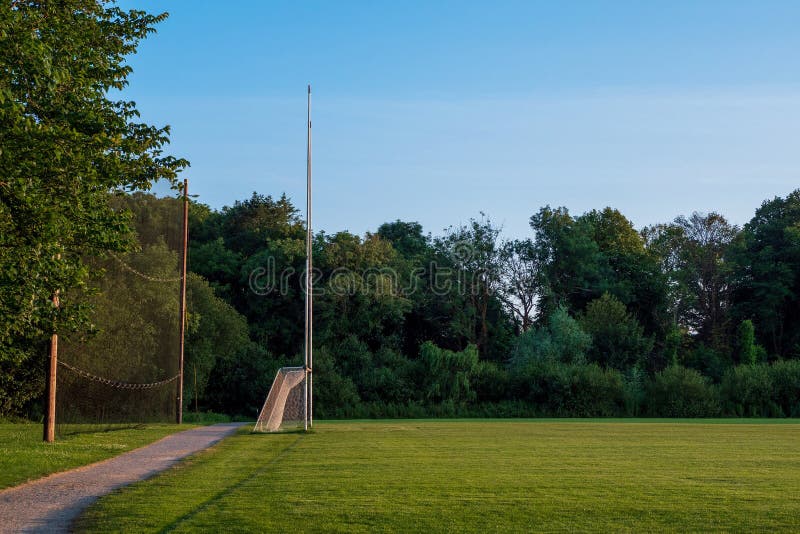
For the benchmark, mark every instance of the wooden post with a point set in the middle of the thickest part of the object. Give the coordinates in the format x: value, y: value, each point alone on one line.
x: 50, y: 420
x: 179, y: 415
x: 196, y: 411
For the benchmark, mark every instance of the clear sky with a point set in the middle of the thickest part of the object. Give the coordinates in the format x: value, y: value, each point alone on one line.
x: 434, y: 111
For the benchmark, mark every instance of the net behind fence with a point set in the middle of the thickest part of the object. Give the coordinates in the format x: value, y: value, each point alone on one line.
x: 285, y: 407
x: 126, y: 371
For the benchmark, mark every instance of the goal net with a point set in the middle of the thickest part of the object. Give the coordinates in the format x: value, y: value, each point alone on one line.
x: 285, y: 407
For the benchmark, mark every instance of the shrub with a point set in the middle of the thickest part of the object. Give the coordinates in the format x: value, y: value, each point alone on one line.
x: 389, y: 379
x: 786, y: 386
x: 746, y: 342
x: 680, y: 392
x: 746, y: 391
x: 22, y: 381
x: 618, y: 340
x: 561, y: 340
x: 592, y: 392
x: 335, y: 395
x: 239, y: 385
x: 635, y: 380
x: 490, y: 382
x: 707, y: 361
x: 448, y: 373
x: 582, y: 390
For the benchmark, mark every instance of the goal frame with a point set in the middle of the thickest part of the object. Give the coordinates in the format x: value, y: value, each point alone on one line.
x: 273, y: 402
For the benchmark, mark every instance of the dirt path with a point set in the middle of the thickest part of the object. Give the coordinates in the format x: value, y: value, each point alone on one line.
x: 50, y: 504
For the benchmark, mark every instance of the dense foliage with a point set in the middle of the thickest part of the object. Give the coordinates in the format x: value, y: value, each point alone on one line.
x: 66, y: 147
x: 679, y: 319
x: 666, y: 322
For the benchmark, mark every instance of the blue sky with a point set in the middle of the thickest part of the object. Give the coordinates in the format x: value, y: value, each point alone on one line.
x: 435, y: 111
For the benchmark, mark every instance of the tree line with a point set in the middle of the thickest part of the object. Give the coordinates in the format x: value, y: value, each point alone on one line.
x: 586, y: 317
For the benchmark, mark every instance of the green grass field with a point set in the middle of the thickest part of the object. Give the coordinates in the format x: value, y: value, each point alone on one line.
x: 480, y: 476
x: 23, y: 455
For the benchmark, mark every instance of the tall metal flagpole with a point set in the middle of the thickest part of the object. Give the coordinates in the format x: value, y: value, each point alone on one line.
x: 309, y: 353
x: 310, y: 280
x: 182, y: 314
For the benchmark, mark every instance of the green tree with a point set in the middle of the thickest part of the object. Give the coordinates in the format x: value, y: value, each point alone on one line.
x: 692, y: 254
x: 631, y: 272
x: 217, y: 264
x: 216, y: 332
x: 570, y: 262
x: 64, y: 146
x: 561, y: 340
x: 705, y: 244
x: 672, y: 345
x: 248, y: 225
x: 448, y: 373
x: 473, y: 252
x: 581, y: 258
x: 746, y: 342
x: 766, y: 260
x: 618, y: 340
x: 406, y: 238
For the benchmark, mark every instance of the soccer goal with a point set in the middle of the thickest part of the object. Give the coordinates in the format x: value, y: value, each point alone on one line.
x: 285, y: 407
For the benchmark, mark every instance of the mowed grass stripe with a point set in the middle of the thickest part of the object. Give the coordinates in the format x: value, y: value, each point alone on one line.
x: 479, y: 476
x: 163, y: 503
x: 229, y: 489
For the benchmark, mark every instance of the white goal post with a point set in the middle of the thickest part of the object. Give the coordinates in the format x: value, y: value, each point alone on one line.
x: 285, y: 407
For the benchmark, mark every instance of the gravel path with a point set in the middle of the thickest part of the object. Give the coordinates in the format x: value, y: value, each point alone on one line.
x: 50, y: 504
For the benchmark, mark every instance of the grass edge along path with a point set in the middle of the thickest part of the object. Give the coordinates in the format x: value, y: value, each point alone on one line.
x: 53, y: 502
x: 225, y: 467
x: 501, y: 475
x: 25, y: 457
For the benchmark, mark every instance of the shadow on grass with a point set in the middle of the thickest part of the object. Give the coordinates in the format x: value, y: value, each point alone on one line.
x: 229, y: 489
x: 284, y: 431
x: 74, y: 430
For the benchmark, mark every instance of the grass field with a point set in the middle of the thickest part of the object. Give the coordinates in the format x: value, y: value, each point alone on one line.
x: 23, y: 455
x: 480, y: 476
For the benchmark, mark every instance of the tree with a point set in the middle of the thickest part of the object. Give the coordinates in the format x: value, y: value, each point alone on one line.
x: 249, y: 224
x: 406, y: 238
x: 746, y: 342
x: 215, y: 332
x: 214, y: 262
x: 473, y: 253
x: 618, y: 340
x: 448, y: 373
x: 560, y: 340
x: 262, y: 239
x: 569, y: 260
x: 706, y: 239
x: 519, y: 280
x: 629, y: 271
x: 665, y: 243
x: 766, y: 285
x: 581, y: 258
x: 64, y: 146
